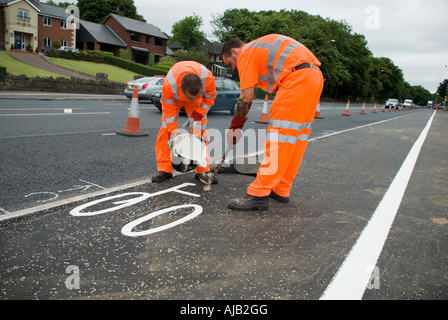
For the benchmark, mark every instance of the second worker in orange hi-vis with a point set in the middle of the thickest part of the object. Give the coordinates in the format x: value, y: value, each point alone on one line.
x: 190, y: 85
x: 279, y: 64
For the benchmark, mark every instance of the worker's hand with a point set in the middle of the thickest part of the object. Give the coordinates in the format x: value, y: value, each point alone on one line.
x: 235, y: 133
x: 196, y: 116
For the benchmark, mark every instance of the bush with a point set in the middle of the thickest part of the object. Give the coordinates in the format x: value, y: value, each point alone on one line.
x: 2, y: 73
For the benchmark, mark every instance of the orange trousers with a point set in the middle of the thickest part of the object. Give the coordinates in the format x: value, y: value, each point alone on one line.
x: 290, y: 118
x: 163, y: 152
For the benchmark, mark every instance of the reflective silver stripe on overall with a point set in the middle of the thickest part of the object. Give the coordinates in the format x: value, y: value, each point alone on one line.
x: 273, y: 73
x: 282, y: 124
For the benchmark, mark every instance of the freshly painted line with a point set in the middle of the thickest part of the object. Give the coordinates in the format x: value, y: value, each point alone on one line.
x: 356, y: 128
x: 353, y: 276
x: 51, y: 114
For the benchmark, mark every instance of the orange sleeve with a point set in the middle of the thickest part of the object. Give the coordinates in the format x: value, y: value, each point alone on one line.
x: 169, y: 108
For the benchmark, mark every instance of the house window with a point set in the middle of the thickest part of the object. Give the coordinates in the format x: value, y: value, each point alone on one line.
x: 159, y: 42
x: 24, y: 15
x: 148, y: 39
x: 64, y: 43
x: 64, y: 24
x: 47, y: 42
x: 135, y: 37
x: 47, y: 21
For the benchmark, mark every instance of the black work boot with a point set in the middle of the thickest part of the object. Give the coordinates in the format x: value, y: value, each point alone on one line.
x: 279, y: 198
x: 249, y: 203
x: 161, y: 176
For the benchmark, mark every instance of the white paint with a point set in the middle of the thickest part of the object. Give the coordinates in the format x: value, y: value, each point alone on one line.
x: 53, y: 195
x: 127, y: 229
x: 68, y: 111
x: 353, y: 276
x: 51, y: 114
x: 77, y: 212
x: 141, y: 196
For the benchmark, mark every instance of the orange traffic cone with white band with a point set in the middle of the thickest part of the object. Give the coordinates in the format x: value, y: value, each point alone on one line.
x: 384, y: 108
x: 264, y: 113
x: 363, y: 110
x: 374, y: 108
x: 346, y: 109
x: 317, y: 114
x: 133, y: 125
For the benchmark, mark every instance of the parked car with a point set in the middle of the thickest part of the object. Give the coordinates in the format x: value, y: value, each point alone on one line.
x: 392, y: 104
x: 145, y: 86
x: 227, y: 90
x: 64, y: 48
x: 408, y: 103
x: 430, y: 104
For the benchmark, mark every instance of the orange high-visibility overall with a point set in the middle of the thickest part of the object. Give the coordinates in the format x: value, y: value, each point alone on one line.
x: 173, y: 100
x: 281, y: 64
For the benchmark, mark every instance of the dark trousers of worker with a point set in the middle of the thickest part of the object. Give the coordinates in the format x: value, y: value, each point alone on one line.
x: 290, y: 117
x: 163, y: 152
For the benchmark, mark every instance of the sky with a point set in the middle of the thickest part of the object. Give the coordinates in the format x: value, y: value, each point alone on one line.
x: 412, y: 33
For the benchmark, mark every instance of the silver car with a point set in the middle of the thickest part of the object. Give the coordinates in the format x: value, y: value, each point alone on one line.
x: 145, y: 87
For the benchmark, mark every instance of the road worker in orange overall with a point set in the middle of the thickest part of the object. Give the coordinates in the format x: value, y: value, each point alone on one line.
x: 190, y: 85
x: 279, y: 64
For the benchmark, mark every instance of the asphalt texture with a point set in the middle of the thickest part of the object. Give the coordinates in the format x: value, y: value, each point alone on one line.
x: 175, y: 241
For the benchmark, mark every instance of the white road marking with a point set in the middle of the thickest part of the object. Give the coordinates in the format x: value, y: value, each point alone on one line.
x: 353, y: 276
x: 51, y: 114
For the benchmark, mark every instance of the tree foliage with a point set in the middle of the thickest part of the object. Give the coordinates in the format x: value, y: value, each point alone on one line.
x: 187, y: 32
x: 98, y: 10
x: 349, y: 67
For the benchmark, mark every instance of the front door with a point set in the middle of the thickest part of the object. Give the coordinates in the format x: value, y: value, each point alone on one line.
x: 20, y: 41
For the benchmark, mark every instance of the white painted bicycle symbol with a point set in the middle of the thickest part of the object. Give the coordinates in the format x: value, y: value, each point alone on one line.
x: 133, y: 198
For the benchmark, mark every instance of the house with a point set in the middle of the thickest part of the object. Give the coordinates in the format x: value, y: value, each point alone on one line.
x: 213, y: 49
x: 31, y: 24
x: 140, y: 37
x: 94, y: 36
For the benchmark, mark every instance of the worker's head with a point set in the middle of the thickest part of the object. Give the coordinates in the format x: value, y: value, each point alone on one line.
x: 230, y: 50
x: 191, y: 86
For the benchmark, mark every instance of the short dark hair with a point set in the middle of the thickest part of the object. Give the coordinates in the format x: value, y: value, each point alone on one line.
x: 191, y: 83
x: 229, y: 45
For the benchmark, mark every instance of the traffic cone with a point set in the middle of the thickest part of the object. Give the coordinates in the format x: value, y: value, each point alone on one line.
x: 346, y: 109
x: 317, y: 114
x: 264, y: 113
x: 384, y: 108
x: 374, y: 108
x: 363, y: 110
x: 133, y: 125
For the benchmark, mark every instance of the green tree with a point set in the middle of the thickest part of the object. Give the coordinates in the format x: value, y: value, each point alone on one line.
x: 188, y: 33
x: 348, y: 65
x: 98, y: 10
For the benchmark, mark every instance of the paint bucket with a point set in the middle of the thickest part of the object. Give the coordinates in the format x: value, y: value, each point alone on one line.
x: 188, y: 152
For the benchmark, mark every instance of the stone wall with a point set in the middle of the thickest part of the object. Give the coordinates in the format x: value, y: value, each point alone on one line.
x: 63, y: 85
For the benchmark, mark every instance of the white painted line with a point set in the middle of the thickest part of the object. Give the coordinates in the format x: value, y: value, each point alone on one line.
x: 28, y: 211
x: 353, y: 276
x: 93, y: 184
x: 109, y: 134
x: 356, y: 128
x: 51, y: 114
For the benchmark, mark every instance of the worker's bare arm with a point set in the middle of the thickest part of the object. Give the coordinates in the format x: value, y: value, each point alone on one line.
x: 244, y: 103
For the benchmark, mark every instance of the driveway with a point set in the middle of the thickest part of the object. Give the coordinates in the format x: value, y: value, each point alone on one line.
x: 39, y: 61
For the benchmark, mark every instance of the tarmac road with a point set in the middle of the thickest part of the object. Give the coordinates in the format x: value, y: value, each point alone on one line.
x: 202, y: 250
